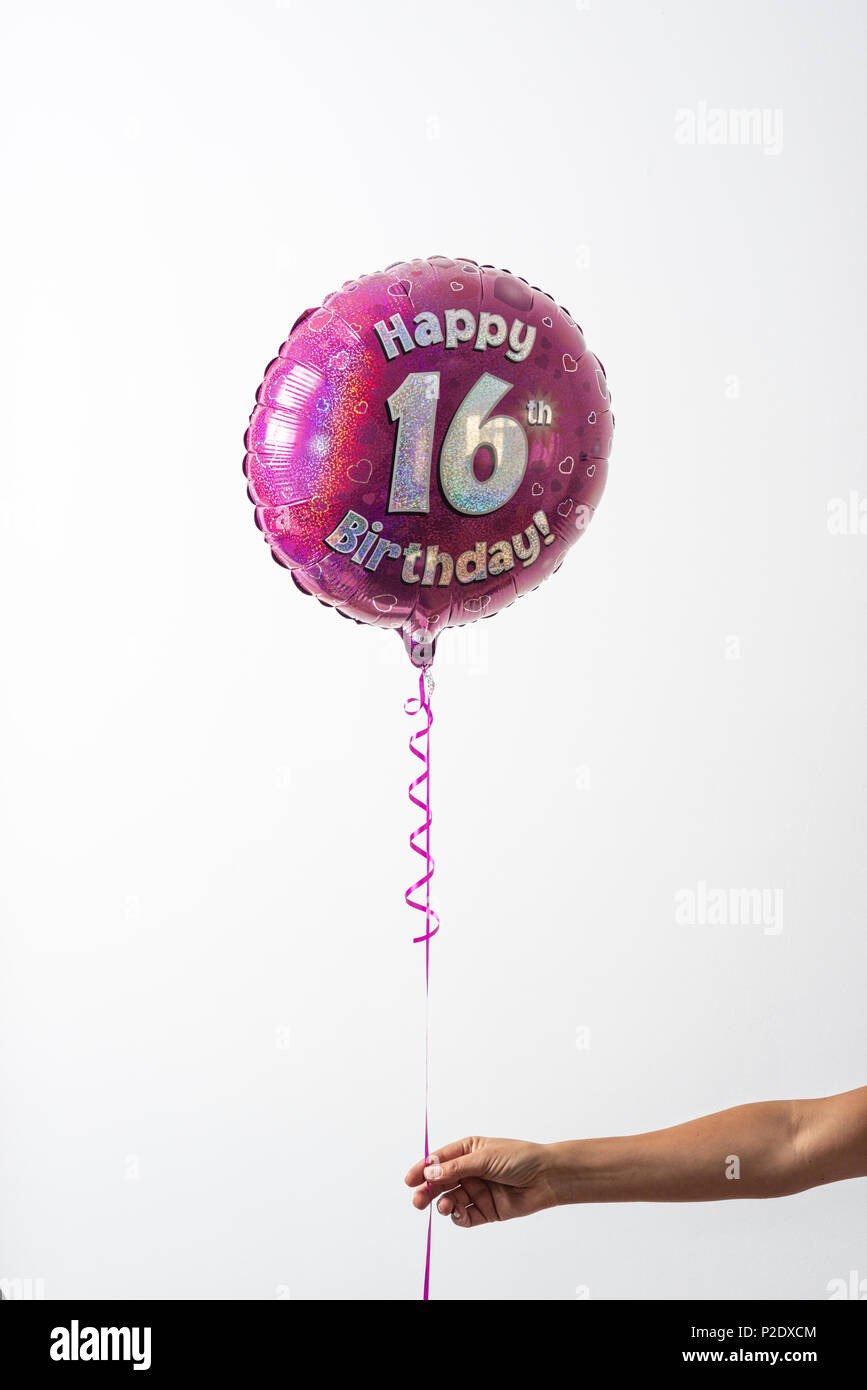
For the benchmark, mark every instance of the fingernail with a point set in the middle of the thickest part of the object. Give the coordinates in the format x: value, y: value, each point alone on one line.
x: 433, y: 1171
x: 440, y: 1207
x: 456, y: 1216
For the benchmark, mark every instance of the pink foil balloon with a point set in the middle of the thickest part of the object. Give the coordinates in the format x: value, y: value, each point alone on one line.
x: 427, y: 446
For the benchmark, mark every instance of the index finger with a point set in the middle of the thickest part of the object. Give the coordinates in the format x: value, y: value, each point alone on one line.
x: 415, y: 1177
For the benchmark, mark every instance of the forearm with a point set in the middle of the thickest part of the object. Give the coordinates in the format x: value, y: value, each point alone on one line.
x: 749, y: 1151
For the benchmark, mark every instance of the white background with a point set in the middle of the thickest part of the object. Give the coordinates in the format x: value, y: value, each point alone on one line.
x: 211, y: 1042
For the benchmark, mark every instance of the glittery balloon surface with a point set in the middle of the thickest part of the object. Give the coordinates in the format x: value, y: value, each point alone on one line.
x: 428, y: 444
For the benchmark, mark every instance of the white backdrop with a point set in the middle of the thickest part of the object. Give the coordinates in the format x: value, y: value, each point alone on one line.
x: 211, y: 1040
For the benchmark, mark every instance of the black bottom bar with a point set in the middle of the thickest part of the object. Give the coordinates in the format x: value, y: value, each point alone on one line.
x: 66, y: 1338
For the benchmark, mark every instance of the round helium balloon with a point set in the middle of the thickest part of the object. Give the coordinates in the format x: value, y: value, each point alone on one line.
x: 427, y: 446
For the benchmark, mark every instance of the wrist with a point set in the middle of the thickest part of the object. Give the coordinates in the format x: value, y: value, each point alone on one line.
x: 587, y: 1170
x: 566, y: 1162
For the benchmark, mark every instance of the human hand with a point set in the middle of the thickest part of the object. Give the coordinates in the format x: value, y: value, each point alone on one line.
x: 477, y: 1181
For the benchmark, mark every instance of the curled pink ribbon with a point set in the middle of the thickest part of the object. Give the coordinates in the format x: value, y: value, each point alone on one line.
x: 419, y: 842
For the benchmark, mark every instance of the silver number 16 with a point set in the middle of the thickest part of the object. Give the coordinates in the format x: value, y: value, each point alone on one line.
x: 414, y: 405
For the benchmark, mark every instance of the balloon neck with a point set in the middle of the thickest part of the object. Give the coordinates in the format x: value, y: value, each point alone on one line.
x: 420, y: 643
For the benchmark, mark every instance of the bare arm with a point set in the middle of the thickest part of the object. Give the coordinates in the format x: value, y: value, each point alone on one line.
x: 771, y: 1149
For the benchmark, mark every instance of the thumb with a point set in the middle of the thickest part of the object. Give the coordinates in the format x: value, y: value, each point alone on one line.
x: 443, y: 1174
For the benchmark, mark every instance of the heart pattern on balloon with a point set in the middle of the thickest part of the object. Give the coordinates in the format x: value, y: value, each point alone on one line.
x: 477, y: 605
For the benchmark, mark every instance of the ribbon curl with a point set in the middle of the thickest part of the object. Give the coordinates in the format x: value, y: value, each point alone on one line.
x: 419, y: 843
